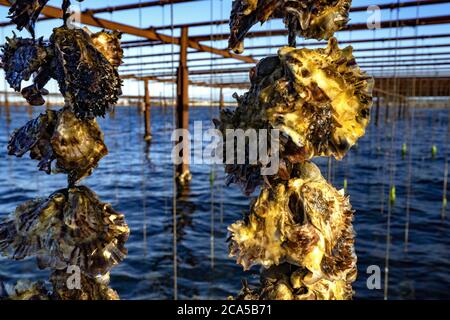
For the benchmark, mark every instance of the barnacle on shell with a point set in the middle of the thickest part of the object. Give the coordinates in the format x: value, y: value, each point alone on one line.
x: 305, y: 223
x: 318, y: 99
x: 76, y: 145
x: 89, y: 83
x: 70, y: 228
x: 318, y: 19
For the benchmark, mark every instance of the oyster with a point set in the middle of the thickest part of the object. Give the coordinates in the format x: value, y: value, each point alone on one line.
x: 70, y: 228
x: 76, y: 145
x: 91, y: 288
x: 305, y: 223
x: 24, y: 13
x: 25, y: 290
x: 21, y: 59
x: 86, y: 79
x: 108, y: 43
x: 89, y: 83
x: 318, y: 19
x: 319, y: 100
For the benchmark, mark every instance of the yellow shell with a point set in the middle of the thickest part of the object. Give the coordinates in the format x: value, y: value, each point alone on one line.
x: 305, y: 222
x: 77, y: 145
x: 71, y: 227
x: 323, y: 103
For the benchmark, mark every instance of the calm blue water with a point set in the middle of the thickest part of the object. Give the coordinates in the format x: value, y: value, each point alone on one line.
x: 137, y: 180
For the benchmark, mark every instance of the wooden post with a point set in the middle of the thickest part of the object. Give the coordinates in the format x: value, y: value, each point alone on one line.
x: 222, y: 102
x: 183, y: 174
x: 148, y: 127
x: 7, y: 112
x: 377, y: 110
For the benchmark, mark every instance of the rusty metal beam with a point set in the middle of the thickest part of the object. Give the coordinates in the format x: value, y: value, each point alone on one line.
x: 88, y: 19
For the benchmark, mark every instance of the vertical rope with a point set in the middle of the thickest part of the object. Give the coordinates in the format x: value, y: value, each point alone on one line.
x: 411, y: 109
x: 174, y: 182
x: 392, y: 164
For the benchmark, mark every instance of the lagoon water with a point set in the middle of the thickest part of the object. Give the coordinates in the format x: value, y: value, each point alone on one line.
x: 138, y: 180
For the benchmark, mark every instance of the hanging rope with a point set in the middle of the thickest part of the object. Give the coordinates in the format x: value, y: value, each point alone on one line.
x: 174, y: 198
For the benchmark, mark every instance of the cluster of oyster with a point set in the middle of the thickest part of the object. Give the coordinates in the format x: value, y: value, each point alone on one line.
x: 317, y: 19
x: 304, y: 223
x: 88, y: 79
x: 76, y: 145
x: 90, y: 289
x: 299, y: 229
x: 318, y: 99
x: 24, y: 13
x: 72, y: 227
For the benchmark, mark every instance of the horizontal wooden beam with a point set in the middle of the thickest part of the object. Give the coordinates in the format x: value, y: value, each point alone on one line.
x: 141, y: 5
x: 53, y: 12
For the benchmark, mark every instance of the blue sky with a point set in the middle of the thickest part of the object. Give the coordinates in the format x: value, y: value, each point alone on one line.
x: 205, y: 10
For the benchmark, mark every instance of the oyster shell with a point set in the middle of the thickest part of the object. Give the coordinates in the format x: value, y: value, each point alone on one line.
x: 77, y: 145
x: 21, y: 59
x: 91, y: 288
x: 24, y: 13
x: 70, y: 228
x: 108, y: 43
x: 318, y: 19
x: 25, y: 290
x: 89, y: 83
x: 306, y: 223
x: 319, y: 100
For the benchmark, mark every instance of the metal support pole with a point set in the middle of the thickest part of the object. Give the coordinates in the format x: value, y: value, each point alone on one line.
x: 148, y: 128
x: 183, y: 174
